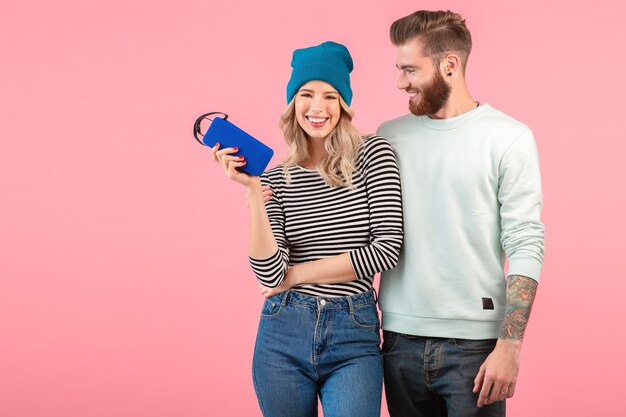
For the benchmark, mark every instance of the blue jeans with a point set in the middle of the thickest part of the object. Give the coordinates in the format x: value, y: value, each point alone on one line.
x: 434, y: 377
x: 309, y: 347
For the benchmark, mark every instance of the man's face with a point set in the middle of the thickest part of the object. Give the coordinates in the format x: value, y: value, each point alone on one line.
x: 421, y: 79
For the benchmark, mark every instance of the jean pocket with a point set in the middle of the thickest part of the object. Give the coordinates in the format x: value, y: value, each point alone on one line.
x: 467, y: 345
x: 390, y: 340
x: 272, y: 307
x: 366, y: 317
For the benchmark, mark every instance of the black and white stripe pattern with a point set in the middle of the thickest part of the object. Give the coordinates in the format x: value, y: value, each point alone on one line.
x: 311, y: 220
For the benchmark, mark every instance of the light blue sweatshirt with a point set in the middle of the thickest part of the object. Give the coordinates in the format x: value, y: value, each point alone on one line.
x: 471, y: 194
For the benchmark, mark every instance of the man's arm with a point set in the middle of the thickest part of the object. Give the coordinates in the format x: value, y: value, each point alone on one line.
x: 522, y: 238
x: 520, y: 294
x: 497, y: 376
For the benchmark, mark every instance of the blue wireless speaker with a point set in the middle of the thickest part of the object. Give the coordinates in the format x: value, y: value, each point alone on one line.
x: 256, y: 153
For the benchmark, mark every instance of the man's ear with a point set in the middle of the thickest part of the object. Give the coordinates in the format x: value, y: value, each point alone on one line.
x: 451, y: 64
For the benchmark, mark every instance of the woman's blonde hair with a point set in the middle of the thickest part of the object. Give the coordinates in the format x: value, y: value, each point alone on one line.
x: 342, y: 146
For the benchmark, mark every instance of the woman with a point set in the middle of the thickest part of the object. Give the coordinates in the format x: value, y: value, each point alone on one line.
x: 334, y: 219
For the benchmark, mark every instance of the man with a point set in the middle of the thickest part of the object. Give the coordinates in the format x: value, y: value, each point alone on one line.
x: 453, y: 324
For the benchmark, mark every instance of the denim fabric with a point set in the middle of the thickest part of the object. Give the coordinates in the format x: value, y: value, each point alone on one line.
x: 434, y: 377
x: 312, y: 347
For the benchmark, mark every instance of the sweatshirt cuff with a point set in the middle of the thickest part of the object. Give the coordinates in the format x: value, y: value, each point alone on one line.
x: 525, y: 266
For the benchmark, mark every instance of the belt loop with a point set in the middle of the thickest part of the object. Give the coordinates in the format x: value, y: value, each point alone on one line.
x: 350, y: 308
x: 284, y: 301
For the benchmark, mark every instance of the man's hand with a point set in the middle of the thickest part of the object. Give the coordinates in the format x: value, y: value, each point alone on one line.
x: 498, y: 374
x: 267, y: 193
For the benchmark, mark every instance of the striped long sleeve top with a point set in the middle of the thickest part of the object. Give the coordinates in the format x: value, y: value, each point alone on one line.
x: 311, y: 220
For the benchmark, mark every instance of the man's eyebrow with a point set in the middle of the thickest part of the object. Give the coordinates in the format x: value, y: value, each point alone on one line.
x: 403, y: 67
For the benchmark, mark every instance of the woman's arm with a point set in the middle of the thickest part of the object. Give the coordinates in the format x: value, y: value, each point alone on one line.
x: 384, y: 197
x: 269, y: 261
x: 382, y: 182
x: 331, y: 270
x: 261, y: 244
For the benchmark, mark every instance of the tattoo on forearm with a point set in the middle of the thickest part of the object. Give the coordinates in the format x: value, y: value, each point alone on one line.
x: 520, y: 294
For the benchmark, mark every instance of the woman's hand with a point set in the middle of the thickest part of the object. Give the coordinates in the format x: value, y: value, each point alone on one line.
x: 229, y: 164
x: 268, y: 292
x: 287, y: 284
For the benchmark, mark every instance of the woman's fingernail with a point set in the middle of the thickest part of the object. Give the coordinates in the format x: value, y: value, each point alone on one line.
x: 236, y: 149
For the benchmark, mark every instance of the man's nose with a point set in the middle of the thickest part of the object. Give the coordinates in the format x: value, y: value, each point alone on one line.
x: 403, y: 84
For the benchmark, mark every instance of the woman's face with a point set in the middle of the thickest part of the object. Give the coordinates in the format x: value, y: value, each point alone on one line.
x: 317, y: 109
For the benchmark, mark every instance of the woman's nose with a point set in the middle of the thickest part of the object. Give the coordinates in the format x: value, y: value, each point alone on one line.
x: 316, y: 105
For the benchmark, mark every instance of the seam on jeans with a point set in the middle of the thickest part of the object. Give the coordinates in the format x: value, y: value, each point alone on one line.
x: 273, y: 315
x: 425, y: 366
x: 483, y: 349
x: 256, y: 389
x: 330, y: 317
x: 363, y: 326
x: 393, y: 343
x: 328, y: 334
x: 281, y: 306
x: 366, y: 326
x: 438, y: 360
x: 315, y: 337
x: 370, y: 302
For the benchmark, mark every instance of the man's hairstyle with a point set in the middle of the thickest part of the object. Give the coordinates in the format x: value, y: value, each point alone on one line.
x: 440, y: 32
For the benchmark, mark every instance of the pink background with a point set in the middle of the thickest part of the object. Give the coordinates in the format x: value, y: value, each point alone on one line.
x: 124, y: 285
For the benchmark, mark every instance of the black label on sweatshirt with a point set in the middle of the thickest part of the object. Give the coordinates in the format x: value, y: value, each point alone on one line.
x: 487, y: 304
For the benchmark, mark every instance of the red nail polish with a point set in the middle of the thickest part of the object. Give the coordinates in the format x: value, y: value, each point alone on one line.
x: 235, y: 149
x: 217, y: 144
x: 242, y: 157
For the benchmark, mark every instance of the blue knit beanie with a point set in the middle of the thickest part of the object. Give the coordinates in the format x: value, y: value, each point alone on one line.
x: 330, y: 62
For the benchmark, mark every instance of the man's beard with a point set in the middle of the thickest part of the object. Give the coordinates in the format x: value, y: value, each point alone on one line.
x: 432, y: 97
